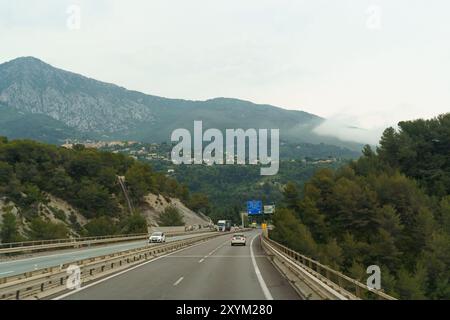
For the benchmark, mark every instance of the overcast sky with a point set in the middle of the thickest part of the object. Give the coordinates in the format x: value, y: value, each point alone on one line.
x: 367, y: 63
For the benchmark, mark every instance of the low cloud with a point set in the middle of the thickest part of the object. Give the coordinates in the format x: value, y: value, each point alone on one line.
x: 349, y: 128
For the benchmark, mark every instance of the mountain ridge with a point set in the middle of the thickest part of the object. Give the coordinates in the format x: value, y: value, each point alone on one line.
x: 102, y: 110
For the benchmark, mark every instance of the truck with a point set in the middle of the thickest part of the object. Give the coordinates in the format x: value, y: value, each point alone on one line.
x: 223, y: 225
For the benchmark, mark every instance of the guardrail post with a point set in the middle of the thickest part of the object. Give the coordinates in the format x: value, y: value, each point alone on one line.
x: 357, y: 291
x: 340, y: 282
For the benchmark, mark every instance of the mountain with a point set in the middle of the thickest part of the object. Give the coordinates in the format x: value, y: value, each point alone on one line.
x: 34, y: 95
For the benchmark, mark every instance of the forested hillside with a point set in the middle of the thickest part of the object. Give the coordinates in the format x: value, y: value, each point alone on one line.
x: 228, y: 188
x: 31, y: 174
x: 390, y: 208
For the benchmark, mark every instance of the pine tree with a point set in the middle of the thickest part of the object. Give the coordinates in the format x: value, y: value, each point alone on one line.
x: 389, y: 147
x: 291, y: 196
x: 9, y: 231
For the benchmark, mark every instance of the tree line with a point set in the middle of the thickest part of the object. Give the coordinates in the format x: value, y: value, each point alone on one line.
x: 85, y: 178
x: 391, y: 208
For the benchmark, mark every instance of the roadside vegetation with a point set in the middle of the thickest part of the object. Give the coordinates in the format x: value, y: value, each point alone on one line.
x: 390, y: 208
x: 87, y: 179
x: 171, y: 216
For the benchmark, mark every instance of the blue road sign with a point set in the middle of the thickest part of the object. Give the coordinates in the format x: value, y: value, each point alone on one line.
x: 254, y: 207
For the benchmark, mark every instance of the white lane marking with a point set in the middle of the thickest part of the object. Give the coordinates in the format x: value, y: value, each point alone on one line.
x: 261, y: 281
x: 209, y: 254
x: 178, y: 281
x: 217, y: 248
x: 124, y: 271
x: 6, y: 272
x: 219, y: 256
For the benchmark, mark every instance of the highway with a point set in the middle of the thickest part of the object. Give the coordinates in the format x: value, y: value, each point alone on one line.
x: 209, y: 270
x: 18, y: 266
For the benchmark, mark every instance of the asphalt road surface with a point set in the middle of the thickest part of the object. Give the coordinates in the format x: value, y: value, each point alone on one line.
x: 18, y: 266
x: 209, y: 270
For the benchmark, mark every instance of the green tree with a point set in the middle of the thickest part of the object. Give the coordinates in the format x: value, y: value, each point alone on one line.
x: 314, y: 219
x: 357, y: 271
x: 135, y: 223
x: 332, y: 255
x: 444, y: 214
x: 6, y: 172
x: 290, y: 232
x: 436, y: 259
x: 9, y: 231
x: 94, y: 200
x: 291, y: 196
x: 411, y: 285
x: 389, y: 147
x: 199, y: 202
x: 47, y: 230
x: 140, y: 181
x: 171, y: 216
x: 101, y: 226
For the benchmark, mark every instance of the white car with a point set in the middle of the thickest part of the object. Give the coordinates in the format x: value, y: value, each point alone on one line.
x: 238, y: 239
x: 158, y: 237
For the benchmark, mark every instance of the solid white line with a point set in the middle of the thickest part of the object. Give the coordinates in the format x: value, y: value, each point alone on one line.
x: 122, y: 272
x: 261, y: 281
x: 178, y: 281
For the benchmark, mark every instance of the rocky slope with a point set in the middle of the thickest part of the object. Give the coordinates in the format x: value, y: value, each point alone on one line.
x: 79, y: 106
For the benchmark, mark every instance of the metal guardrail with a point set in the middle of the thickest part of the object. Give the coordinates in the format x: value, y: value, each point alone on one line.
x: 326, y: 282
x: 28, y: 246
x: 49, y: 281
x: 12, y: 245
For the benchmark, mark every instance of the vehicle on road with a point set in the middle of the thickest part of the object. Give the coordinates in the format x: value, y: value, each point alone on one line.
x: 157, y: 237
x: 238, y: 239
x: 223, y: 225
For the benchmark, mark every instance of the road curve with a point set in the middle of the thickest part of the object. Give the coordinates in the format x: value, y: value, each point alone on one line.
x: 19, y: 266
x: 210, y: 270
